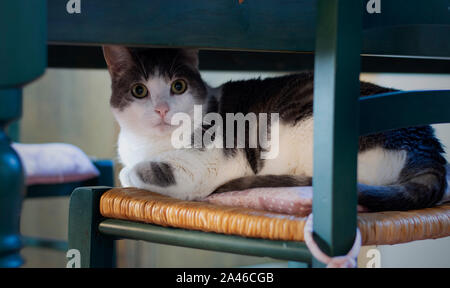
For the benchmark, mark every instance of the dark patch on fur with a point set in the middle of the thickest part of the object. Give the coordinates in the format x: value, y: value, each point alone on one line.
x: 244, y: 183
x: 156, y: 173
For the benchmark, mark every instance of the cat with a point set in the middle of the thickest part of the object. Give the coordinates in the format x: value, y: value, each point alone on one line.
x: 401, y: 169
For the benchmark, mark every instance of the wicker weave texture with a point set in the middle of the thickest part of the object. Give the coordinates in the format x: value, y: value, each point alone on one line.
x: 376, y: 228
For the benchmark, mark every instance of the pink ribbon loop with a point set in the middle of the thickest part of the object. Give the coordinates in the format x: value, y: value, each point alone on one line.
x: 346, y: 261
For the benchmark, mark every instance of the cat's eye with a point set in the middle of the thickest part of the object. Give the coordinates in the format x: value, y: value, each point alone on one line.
x: 139, y: 90
x: 178, y: 86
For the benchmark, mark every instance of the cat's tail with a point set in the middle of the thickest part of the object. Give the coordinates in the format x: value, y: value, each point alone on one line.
x: 420, y: 191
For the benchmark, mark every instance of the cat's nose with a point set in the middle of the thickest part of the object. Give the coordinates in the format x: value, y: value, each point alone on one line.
x: 162, y: 109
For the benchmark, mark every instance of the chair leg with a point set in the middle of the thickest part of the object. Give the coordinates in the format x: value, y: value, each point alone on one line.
x: 336, y: 94
x: 23, y: 26
x: 93, y: 248
x: 11, y: 182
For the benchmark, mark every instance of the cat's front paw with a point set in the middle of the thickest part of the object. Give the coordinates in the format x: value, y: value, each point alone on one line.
x: 158, y: 174
x: 158, y: 177
x: 147, y: 173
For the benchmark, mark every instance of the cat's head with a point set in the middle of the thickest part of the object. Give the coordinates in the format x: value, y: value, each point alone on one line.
x: 150, y: 85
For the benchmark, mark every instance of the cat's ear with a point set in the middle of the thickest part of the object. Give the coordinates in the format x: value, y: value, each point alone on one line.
x: 118, y: 58
x: 191, y: 55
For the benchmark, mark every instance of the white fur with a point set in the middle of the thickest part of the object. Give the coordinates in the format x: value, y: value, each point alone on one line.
x: 379, y: 166
x: 295, y: 154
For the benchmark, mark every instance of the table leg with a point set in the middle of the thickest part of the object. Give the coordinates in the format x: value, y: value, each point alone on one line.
x: 336, y: 93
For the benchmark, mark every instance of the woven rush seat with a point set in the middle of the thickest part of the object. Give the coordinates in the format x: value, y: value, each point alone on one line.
x: 376, y: 228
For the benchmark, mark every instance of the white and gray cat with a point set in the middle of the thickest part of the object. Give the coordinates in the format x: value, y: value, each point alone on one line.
x: 397, y: 170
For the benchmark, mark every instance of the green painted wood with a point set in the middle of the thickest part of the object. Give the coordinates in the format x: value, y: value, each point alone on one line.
x: 11, y: 182
x: 23, y: 58
x: 13, y: 131
x: 282, y: 25
x: 403, y: 109
x: 411, y: 28
x: 11, y: 195
x: 209, y: 24
x: 96, y: 250
x: 287, y: 250
x: 293, y: 264
x: 23, y: 34
x: 336, y: 93
x: 10, y: 106
x: 92, y: 57
x: 409, y: 41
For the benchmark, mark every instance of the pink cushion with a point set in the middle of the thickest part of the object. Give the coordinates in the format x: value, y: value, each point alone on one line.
x: 53, y: 163
x: 288, y: 200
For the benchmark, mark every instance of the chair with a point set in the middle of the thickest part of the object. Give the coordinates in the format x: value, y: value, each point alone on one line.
x: 101, y: 215
x: 59, y: 181
x: 105, y: 178
x: 133, y: 214
x: 338, y: 34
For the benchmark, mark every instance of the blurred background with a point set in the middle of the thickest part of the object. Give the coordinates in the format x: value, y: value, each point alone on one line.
x: 72, y: 106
